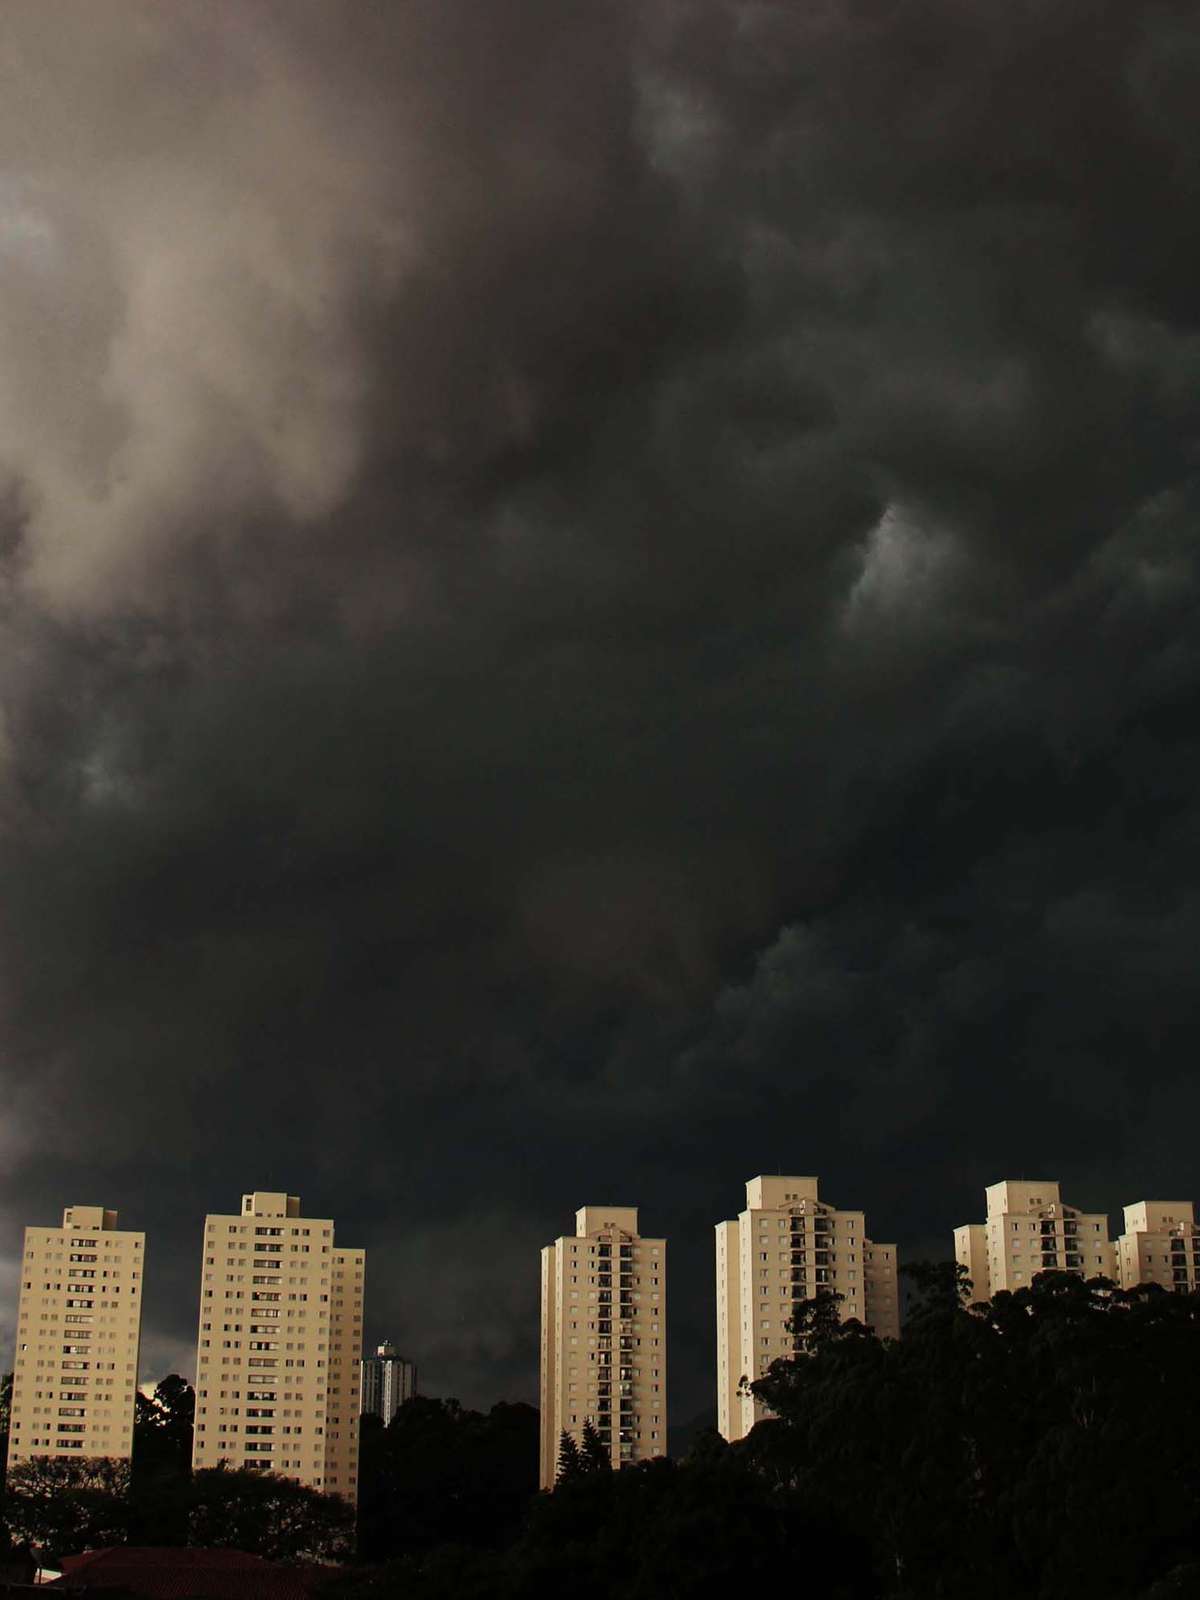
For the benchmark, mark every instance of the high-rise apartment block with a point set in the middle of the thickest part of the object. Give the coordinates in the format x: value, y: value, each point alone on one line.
x: 1029, y: 1230
x: 281, y: 1310
x: 386, y: 1381
x: 78, y: 1329
x: 789, y: 1245
x: 604, y: 1346
x: 1161, y: 1244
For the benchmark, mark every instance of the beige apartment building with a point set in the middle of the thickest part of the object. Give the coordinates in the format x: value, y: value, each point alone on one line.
x: 1029, y: 1230
x: 281, y: 1316
x: 604, y: 1346
x: 789, y: 1245
x: 1161, y: 1244
x: 79, y: 1317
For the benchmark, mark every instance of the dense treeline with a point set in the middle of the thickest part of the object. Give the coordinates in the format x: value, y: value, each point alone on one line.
x: 1045, y: 1444
x: 440, y: 1474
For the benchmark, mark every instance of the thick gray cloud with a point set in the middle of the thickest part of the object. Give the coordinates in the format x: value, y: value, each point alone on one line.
x: 593, y: 600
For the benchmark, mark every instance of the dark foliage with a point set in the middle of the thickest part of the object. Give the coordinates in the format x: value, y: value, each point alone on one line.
x: 269, y: 1516
x: 161, y: 1486
x: 1046, y: 1443
x: 440, y: 1474
x: 652, y: 1532
x: 59, y: 1505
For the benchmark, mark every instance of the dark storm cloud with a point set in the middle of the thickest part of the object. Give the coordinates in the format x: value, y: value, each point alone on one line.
x: 595, y: 600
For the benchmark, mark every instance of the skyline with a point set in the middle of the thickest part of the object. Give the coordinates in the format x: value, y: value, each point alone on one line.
x: 594, y: 600
x: 152, y: 1367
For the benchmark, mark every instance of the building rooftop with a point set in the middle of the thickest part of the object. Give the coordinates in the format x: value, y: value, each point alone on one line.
x: 172, y: 1574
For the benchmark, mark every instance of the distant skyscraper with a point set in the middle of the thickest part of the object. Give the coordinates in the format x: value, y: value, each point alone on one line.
x: 788, y: 1245
x: 604, y: 1346
x: 385, y: 1382
x: 280, y: 1336
x: 1161, y: 1244
x: 1029, y: 1230
x: 78, y: 1328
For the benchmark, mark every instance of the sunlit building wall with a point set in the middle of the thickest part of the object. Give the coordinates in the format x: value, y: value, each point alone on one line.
x: 604, y: 1346
x: 789, y: 1245
x: 78, y: 1330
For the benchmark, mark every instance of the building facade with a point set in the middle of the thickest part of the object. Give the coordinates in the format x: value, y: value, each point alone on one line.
x: 386, y: 1381
x: 281, y: 1314
x: 604, y: 1345
x: 1161, y: 1244
x: 79, y: 1318
x: 1029, y: 1230
x: 789, y: 1245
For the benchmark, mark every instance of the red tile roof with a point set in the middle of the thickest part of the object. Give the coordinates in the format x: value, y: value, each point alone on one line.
x: 167, y: 1574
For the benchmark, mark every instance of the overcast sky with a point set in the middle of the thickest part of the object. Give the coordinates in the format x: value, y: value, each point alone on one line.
x: 595, y: 599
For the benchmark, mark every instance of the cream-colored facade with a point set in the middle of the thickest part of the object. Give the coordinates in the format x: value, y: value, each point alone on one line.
x: 789, y: 1245
x: 1029, y: 1230
x: 281, y: 1316
x: 1161, y: 1244
x: 604, y: 1338
x: 79, y: 1318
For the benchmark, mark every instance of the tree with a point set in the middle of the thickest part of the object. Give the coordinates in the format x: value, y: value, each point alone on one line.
x: 166, y: 1419
x: 160, y: 1495
x: 570, y: 1463
x: 6, y: 1388
x: 987, y: 1437
x: 270, y: 1516
x: 594, y: 1455
x: 60, y: 1505
x: 441, y: 1474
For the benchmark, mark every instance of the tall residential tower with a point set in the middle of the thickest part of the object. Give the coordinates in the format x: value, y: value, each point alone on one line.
x: 1161, y: 1244
x: 79, y: 1321
x: 789, y: 1245
x: 281, y: 1310
x: 386, y: 1381
x: 1029, y: 1230
x: 604, y: 1345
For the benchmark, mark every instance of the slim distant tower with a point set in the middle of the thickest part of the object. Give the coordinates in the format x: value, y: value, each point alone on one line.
x: 280, y: 1337
x: 789, y: 1245
x: 1161, y: 1244
x: 386, y: 1381
x: 1029, y: 1230
x: 78, y: 1328
x: 604, y: 1346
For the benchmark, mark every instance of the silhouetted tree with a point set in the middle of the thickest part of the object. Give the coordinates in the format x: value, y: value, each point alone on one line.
x: 594, y: 1454
x: 441, y: 1474
x: 270, y: 1516
x: 60, y: 1505
x: 161, y: 1487
x: 987, y: 1437
x: 570, y: 1462
x: 6, y: 1388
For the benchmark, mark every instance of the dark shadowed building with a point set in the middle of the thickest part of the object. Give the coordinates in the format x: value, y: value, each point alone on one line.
x: 386, y: 1381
